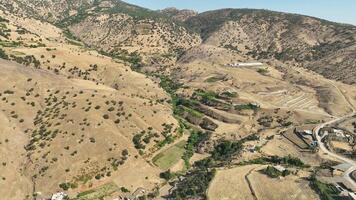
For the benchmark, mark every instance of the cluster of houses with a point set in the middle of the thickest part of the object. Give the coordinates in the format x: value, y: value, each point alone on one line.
x: 337, y: 134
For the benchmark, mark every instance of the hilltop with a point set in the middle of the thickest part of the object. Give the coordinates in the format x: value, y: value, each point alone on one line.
x: 161, y: 37
x: 324, y: 47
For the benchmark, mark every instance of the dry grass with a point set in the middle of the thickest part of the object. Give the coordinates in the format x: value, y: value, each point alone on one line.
x: 231, y: 184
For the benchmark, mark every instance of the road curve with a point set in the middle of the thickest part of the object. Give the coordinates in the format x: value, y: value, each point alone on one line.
x: 330, y: 154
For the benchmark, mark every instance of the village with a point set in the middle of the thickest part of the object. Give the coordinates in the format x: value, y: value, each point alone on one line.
x: 330, y: 140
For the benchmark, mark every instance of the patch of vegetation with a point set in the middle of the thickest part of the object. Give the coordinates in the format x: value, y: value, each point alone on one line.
x: 133, y: 58
x: 194, y: 140
x: 231, y: 47
x: 125, y: 190
x: 225, y: 150
x: 286, y: 160
x: 228, y: 94
x: 249, y: 106
x: 194, y: 113
x: 325, y: 191
x: 137, y: 141
x: 10, y: 43
x: 206, y: 97
x: 195, y: 183
x: 4, y: 20
x: 27, y: 60
x: 274, y: 173
x: 74, y: 19
x: 70, y: 38
x: 169, y: 85
x: 262, y: 71
x: 66, y: 186
x: 3, y: 55
x: 98, y: 193
x: 167, y: 175
x: 169, y: 157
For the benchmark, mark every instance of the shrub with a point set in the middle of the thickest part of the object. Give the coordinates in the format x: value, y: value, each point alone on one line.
x: 3, y: 54
x: 167, y: 175
x: 125, y: 190
x: 92, y: 140
x: 226, y: 149
x: 125, y: 152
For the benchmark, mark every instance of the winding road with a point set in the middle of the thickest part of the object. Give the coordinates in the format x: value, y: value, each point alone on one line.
x: 334, y: 156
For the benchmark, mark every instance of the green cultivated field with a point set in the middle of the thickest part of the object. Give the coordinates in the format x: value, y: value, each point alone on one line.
x: 98, y: 193
x: 169, y: 157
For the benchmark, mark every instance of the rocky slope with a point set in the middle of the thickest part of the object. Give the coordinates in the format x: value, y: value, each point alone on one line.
x: 162, y: 36
x: 180, y: 15
x: 118, y: 28
x: 324, y: 47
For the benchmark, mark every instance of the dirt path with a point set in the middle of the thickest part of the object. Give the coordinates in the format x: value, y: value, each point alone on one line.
x: 344, y: 96
x: 250, y: 184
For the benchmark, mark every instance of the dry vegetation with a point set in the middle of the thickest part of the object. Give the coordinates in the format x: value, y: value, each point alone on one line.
x: 100, y: 98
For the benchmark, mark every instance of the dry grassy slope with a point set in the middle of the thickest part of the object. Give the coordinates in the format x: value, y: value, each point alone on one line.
x: 205, y: 67
x: 57, y: 110
x: 50, y: 10
x: 314, y: 43
x: 114, y: 26
x: 73, y: 139
x: 117, y: 32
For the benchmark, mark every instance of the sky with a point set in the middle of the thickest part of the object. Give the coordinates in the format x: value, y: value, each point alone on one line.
x: 343, y: 11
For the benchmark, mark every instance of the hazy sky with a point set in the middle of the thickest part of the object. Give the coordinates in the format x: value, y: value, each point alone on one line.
x: 335, y: 10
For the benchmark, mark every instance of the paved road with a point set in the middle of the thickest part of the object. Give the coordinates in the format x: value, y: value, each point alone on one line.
x: 332, y: 155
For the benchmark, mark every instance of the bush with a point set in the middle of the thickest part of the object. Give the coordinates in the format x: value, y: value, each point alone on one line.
x: 125, y: 190
x: 92, y: 140
x: 137, y: 141
x: 272, y: 172
x: 125, y: 152
x: 3, y: 54
x: 325, y: 191
x: 65, y: 186
x: 167, y: 175
x: 98, y: 176
x: 226, y: 149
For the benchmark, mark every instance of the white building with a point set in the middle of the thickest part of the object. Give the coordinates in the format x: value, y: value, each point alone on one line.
x: 280, y: 168
x: 308, y: 132
x: 58, y: 196
x: 245, y: 64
